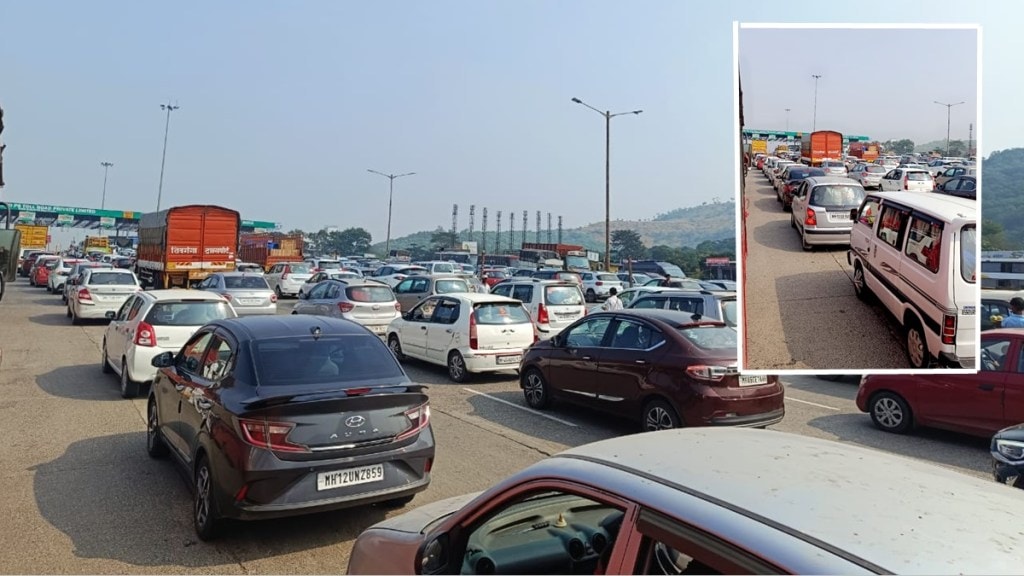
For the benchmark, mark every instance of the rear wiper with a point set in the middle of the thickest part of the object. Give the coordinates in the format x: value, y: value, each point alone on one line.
x: 360, y: 391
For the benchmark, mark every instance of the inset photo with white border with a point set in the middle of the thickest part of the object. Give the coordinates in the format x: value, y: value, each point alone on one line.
x: 858, y: 193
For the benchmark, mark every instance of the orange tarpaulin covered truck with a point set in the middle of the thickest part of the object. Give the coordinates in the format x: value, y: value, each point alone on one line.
x: 821, y: 145
x: 181, y: 246
x: 866, y: 151
x: 269, y: 248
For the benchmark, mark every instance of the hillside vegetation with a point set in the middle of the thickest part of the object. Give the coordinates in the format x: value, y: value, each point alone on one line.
x: 1002, y: 206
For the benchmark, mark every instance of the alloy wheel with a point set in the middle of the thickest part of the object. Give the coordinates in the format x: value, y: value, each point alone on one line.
x: 889, y: 413
x: 534, y: 389
x: 658, y: 418
x: 915, y: 347
x: 456, y: 367
x: 202, y: 502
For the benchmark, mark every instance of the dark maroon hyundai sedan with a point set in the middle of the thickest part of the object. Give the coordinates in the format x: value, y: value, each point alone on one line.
x: 663, y: 368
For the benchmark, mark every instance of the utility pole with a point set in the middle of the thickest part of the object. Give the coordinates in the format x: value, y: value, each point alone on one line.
x: 549, y: 227
x: 970, y: 138
x: 948, y: 108
x: 814, y: 122
x: 391, y: 196
x: 559, y: 229
x: 787, y: 122
x: 607, y: 176
x: 483, y: 233
x: 497, y: 232
x: 163, y: 159
x: 106, y: 167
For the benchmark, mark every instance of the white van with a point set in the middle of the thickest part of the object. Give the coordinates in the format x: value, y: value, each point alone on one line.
x: 553, y: 305
x: 917, y: 253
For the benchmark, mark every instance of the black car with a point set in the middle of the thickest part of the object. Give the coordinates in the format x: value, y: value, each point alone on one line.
x: 276, y: 416
x: 962, y: 186
x: 1008, y: 456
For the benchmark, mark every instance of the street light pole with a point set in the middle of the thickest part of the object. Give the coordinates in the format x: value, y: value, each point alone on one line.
x: 814, y: 122
x: 949, y: 107
x: 163, y: 159
x: 607, y: 176
x: 106, y: 167
x: 391, y: 195
x: 787, y: 119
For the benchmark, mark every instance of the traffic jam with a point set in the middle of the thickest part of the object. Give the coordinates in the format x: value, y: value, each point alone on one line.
x: 278, y: 383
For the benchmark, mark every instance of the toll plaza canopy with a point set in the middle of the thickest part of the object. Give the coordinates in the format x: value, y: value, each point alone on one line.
x: 94, y: 219
x: 751, y: 134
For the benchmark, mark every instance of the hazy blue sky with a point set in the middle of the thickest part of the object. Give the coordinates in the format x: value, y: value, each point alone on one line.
x: 285, y: 105
x: 878, y: 83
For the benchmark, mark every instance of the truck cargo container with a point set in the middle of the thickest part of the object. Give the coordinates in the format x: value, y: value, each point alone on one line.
x: 267, y: 249
x: 821, y: 145
x: 96, y: 244
x: 866, y: 151
x: 181, y: 246
x: 574, y: 257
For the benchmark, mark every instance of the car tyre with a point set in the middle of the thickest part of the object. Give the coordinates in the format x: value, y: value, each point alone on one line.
x: 659, y: 415
x: 831, y: 377
x: 75, y: 320
x: 104, y: 363
x: 68, y: 312
x: 917, y: 346
x: 792, y: 218
x: 397, y: 502
x: 860, y: 283
x: 129, y: 388
x: 205, y: 516
x: 803, y: 242
x: 536, y: 390
x: 155, y: 445
x: 457, y: 367
x: 891, y: 413
x: 277, y: 290
x: 395, y: 346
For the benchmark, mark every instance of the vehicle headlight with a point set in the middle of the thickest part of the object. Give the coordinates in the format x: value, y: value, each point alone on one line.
x: 1011, y: 449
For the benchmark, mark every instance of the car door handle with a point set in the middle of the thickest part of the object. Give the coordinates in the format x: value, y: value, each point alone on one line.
x: 449, y: 330
x: 986, y: 387
x: 585, y: 357
x: 641, y: 361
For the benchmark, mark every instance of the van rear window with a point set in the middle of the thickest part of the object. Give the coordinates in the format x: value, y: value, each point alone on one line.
x: 924, y: 243
x: 969, y: 253
x: 370, y: 294
x: 563, y: 296
x: 497, y: 313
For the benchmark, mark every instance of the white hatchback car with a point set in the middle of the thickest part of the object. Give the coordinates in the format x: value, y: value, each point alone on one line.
x: 908, y: 180
x: 59, y: 275
x: 469, y: 333
x: 287, y: 278
x: 553, y: 304
x: 152, y: 322
x: 100, y: 290
x: 596, y: 285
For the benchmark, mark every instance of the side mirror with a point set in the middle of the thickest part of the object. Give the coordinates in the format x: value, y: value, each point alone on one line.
x: 303, y: 295
x: 406, y: 315
x: 853, y: 214
x: 433, y: 556
x: 163, y: 360
x: 557, y: 341
x: 110, y: 315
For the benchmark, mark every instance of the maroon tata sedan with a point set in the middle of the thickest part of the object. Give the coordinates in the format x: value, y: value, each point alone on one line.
x: 662, y: 368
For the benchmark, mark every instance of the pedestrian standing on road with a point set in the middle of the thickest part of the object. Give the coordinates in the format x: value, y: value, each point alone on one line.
x: 1016, y: 317
x: 613, y: 302
x: 667, y: 282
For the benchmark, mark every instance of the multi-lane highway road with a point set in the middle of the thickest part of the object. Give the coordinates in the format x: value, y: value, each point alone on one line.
x: 82, y: 496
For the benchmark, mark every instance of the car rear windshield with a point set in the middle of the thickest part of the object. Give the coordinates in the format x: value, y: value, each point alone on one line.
x: 563, y: 296
x: 250, y: 282
x: 449, y: 286
x: 299, y: 269
x: 329, y: 265
x: 370, y: 294
x: 112, y: 279
x: 875, y: 169
x: 187, y: 313
x: 837, y: 196
x: 300, y: 361
x: 672, y: 270
x: 968, y: 253
x: 918, y: 176
x: 444, y: 268
x: 729, y: 312
x: 501, y: 313
x: 607, y: 277
x: 711, y: 337
x: 569, y: 277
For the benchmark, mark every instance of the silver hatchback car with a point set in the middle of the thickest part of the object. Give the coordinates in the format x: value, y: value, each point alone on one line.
x: 365, y: 302
x: 249, y: 293
x: 821, y: 210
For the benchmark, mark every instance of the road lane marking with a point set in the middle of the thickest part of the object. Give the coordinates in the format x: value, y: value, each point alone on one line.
x: 524, y: 408
x: 813, y: 404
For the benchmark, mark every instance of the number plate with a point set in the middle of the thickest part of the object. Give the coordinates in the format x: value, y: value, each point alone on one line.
x: 250, y: 301
x: 753, y: 380
x: 838, y: 217
x: 380, y: 329
x: 350, y: 477
x: 509, y: 359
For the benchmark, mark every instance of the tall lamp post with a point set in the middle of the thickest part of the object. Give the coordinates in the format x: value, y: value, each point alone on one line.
x: 391, y: 195
x: 163, y: 159
x: 948, y: 108
x: 106, y: 167
x: 607, y: 176
x: 787, y: 119
x: 814, y: 122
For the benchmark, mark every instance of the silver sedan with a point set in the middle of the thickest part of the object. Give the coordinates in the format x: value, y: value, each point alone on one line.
x: 248, y: 293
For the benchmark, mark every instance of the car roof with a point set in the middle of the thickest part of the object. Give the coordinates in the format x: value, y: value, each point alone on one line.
x: 670, y: 317
x: 107, y: 270
x: 477, y: 298
x: 289, y: 325
x: 895, y: 512
x: 818, y: 180
x: 944, y: 206
x: 172, y: 294
x: 233, y: 274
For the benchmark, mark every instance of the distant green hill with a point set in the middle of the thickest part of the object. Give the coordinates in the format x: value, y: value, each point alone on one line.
x: 1002, y: 201
x: 677, y: 228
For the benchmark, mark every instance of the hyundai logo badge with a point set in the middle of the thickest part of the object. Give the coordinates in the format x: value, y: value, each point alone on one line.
x: 355, y: 421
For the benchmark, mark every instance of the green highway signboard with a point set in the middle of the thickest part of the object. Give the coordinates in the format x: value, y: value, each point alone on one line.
x: 783, y: 135
x: 74, y: 211
x: 66, y: 216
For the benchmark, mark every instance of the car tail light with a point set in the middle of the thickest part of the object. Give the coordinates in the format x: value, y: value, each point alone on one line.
x: 145, y: 335
x: 273, y: 297
x: 84, y: 296
x: 399, y: 277
x: 418, y: 417
x: 270, y: 435
x: 242, y: 492
x: 429, y: 465
x: 811, y: 219
x: 227, y: 296
x: 948, y: 329
x: 284, y: 276
x: 346, y: 307
x: 542, y: 314
x: 536, y: 333
x: 906, y: 183
x: 473, y: 340
x: 598, y: 283
x: 707, y: 373
x: 398, y: 306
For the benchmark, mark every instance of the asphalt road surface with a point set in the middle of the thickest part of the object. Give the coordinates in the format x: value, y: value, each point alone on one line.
x: 83, y: 497
x: 800, y: 311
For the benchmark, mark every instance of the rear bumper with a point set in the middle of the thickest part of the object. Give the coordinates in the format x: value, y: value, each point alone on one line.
x: 750, y: 420
x: 97, y: 311
x: 828, y: 236
x: 255, y: 310
x: 478, y: 361
x: 951, y: 360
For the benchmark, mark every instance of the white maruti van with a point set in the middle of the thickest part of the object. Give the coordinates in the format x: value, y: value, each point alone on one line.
x: 917, y: 253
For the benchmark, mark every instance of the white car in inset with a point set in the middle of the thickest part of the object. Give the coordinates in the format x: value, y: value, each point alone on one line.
x: 59, y: 275
x: 100, y: 290
x: 152, y: 322
x: 908, y: 180
x: 467, y: 332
